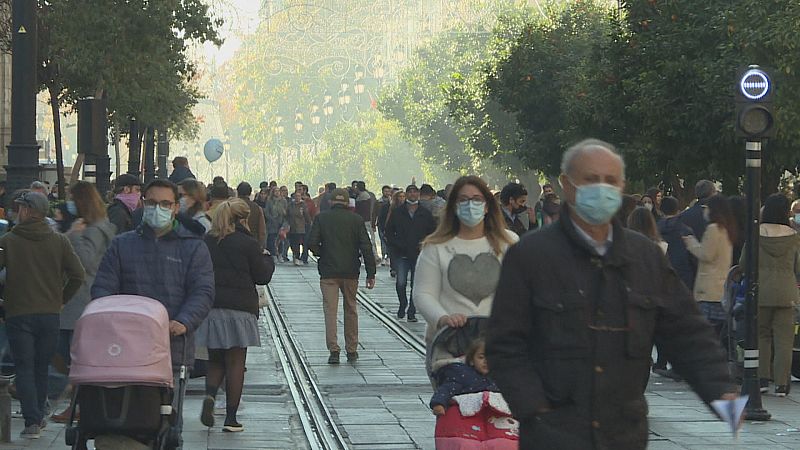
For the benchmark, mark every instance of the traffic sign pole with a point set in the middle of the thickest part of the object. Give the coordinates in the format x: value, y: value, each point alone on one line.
x: 755, y: 123
x: 751, y: 385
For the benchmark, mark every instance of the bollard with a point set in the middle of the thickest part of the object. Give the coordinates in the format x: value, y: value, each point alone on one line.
x: 5, y: 409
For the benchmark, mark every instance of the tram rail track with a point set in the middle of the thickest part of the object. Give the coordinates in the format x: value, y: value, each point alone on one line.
x: 316, y: 419
x: 388, y: 320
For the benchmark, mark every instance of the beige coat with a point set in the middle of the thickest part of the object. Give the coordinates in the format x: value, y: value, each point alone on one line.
x: 714, y: 257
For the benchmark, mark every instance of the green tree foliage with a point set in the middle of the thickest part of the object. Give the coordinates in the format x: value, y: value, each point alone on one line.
x: 131, y: 51
x: 530, y: 99
x: 418, y: 102
x: 370, y: 149
x: 656, y: 78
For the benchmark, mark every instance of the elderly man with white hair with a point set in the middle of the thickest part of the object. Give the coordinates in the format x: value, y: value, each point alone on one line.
x: 577, y: 310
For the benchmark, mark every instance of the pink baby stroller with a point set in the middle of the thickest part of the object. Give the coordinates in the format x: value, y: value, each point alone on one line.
x: 122, y: 374
x: 477, y: 421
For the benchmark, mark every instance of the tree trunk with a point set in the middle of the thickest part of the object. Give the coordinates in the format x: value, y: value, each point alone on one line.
x: 118, y: 167
x: 57, y: 132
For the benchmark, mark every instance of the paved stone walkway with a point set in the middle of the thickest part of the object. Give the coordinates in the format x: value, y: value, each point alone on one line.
x: 381, y: 401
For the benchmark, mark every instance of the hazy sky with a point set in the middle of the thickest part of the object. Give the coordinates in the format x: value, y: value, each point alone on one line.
x: 241, y: 18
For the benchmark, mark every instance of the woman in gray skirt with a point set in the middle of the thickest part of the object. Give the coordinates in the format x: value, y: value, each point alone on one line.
x: 240, y: 264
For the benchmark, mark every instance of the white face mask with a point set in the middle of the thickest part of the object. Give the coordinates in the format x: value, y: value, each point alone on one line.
x: 648, y: 206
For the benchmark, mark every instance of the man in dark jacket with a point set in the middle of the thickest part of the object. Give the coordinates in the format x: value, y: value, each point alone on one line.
x: 163, y: 261
x: 325, y: 198
x: 693, y: 217
x: 256, y: 222
x: 406, y: 228
x: 514, y: 198
x: 127, y: 193
x: 181, y: 170
x: 339, y: 239
x: 42, y: 274
x: 577, y: 310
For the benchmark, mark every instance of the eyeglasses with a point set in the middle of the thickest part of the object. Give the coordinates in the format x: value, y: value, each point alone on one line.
x: 477, y: 198
x: 166, y: 204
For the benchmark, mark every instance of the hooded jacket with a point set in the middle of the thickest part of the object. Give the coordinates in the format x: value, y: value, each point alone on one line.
x: 42, y: 270
x: 174, y: 269
x: 778, y: 265
x: 90, y: 245
x: 459, y: 378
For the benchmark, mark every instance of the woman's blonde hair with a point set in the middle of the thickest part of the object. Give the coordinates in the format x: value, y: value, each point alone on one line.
x: 494, y: 226
x: 229, y: 213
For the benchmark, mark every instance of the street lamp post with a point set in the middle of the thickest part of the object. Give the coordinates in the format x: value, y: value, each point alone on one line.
x: 23, y: 151
x: 163, y: 152
x: 278, y: 131
x: 149, y: 155
x: 134, y: 149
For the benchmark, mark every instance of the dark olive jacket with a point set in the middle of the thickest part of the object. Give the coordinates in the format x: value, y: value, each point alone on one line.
x: 339, y: 238
x: 573, y: 332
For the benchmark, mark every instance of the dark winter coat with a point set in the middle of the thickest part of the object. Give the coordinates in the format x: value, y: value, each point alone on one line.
x: 672, y: 230
x: 693, y: 218
x: 339, y: 238
x: 383, y: 215
x: 181, y: 173
x: 404, y: 234
x: 573, y: 332
x: 174, y: 269
x: 239, y: 265
x: 459, y: 378
x: 120, y: 216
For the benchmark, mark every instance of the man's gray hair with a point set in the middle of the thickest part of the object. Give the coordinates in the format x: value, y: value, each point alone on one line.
x: 704, y: 189
x: 38, y: 185
x: 584, y: 147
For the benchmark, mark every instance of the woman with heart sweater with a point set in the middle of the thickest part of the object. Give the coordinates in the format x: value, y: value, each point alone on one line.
x: 459, y: 265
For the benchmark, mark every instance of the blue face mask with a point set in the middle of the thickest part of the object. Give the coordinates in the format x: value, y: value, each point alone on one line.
x: 72, y: 208
x: 471, y: 212
x: 157, y: 217
x: 797, y: 219
x: 597, y: 203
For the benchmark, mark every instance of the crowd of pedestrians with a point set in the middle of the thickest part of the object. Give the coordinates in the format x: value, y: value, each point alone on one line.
x: 578, y: 283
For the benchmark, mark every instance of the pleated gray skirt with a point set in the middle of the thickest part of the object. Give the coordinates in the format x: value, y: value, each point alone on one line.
x: 228, y: 328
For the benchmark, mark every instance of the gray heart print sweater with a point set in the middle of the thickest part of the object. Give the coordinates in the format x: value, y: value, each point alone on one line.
x: 456, y: 277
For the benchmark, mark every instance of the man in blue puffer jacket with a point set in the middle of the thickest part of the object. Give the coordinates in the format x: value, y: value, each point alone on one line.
x: 162, y: 260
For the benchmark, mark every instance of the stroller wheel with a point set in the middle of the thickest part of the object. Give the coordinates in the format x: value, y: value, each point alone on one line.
x: 71, y: 436
x: 173, y: 439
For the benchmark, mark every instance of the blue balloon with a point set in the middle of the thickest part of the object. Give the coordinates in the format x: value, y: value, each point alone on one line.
x: 213, y: 150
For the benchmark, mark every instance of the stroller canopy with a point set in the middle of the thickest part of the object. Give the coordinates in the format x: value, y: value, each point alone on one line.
x: 122, y: 340
x: 450, y: 344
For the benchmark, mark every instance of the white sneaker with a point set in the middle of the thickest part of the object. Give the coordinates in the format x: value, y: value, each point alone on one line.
x: 220, y: 407
x: 296, y: 262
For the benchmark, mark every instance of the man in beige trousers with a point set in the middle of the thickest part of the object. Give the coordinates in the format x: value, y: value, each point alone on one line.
x: 339, y: 239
